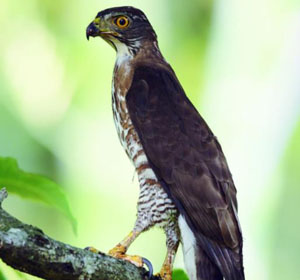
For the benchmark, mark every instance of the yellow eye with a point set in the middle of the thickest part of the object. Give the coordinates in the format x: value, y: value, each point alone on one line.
x: 122, y: 21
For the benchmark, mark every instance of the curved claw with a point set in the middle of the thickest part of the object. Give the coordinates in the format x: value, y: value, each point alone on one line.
x: 150, y: 267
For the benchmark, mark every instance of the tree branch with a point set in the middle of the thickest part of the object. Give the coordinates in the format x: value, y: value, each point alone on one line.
x: 28, y: 249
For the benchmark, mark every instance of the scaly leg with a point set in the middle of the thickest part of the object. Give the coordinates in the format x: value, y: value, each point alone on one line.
x: 120, y: 250
x: 166, y: 270
x: 173, y: 238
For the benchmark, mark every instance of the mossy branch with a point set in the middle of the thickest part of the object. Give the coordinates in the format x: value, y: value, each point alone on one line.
x: 28, y: 249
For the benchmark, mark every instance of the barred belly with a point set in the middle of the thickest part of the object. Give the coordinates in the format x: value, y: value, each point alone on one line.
x: 154, y: 206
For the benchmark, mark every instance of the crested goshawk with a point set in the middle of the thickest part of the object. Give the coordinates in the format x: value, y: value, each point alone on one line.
x: 186, y: 187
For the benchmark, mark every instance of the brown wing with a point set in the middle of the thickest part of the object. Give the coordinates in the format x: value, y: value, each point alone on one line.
x: 188, y: 160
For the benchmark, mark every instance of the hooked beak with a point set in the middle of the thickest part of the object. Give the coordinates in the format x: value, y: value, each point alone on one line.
x: 99, y: 27
x: 92, y: 30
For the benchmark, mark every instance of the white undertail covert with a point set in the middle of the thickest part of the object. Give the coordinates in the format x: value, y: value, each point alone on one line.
x: 188, y: 248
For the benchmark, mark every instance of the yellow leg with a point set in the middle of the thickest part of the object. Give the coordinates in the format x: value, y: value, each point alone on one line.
x: 166, y: 270
x: 120, y: 250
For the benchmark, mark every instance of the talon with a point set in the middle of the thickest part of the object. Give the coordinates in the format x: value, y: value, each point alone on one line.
x: 150, y: 267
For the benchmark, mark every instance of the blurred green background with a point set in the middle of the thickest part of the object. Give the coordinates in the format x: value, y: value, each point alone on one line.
x: 239, y: 62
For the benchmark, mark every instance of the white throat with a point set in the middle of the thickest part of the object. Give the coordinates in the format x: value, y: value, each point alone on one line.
x: 123, y: 54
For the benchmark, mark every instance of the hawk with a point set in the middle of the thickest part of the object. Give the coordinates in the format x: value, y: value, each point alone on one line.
x: 186, y: 187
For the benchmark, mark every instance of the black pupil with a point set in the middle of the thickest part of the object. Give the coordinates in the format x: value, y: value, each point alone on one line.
x: 122, y: 21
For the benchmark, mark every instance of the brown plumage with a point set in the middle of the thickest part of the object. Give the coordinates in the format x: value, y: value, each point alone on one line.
x: 189, y: 162
x: 185, y: 183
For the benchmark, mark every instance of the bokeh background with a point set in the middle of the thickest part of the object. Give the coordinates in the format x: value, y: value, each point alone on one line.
x: 239, y: 62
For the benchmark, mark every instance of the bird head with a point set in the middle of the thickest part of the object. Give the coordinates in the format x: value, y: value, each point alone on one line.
x: 122, y: 26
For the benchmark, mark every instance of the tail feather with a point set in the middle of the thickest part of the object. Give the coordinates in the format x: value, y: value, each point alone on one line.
x: 207, y: 260
x: 228, y: 261
x: 206, y: 270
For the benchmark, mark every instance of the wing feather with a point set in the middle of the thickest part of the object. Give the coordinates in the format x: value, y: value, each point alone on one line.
x: 187, y: 158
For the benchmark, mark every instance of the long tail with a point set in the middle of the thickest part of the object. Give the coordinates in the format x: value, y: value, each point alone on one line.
x: 229, y: 262
x: 205, y: 260
x: 206, y: 270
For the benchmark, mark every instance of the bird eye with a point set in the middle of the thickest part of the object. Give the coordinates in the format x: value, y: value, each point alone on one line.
x: 122, y: 21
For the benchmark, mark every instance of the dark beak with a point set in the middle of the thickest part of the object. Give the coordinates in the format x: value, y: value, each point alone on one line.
x: 92, y: 30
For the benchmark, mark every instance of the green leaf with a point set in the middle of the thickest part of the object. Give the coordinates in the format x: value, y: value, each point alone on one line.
x: 179, y: 274
x: 34, y: 186
x: 2, y: 277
